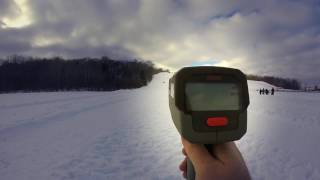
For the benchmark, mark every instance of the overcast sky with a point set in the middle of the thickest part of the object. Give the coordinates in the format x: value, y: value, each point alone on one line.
x: 280, y: 38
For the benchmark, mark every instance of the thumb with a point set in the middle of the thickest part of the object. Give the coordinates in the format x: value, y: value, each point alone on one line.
x: 197, y: 153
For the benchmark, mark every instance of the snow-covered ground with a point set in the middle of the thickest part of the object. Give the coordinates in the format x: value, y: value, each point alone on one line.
x: 129, y: 134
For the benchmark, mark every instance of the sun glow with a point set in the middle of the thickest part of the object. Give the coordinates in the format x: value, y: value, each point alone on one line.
x: 164, y: 67
x: 21, y: 19
x: 224, y: 63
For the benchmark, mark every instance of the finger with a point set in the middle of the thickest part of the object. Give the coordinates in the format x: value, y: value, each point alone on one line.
x: 227, y: 152
x: 184, y: 174
x: 183, y: 165
x: 197, y: 153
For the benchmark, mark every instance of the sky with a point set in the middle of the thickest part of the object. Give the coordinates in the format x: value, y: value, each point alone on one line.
x: 280, y: 38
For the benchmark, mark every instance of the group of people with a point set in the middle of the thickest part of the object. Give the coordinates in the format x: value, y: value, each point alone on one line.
x: 266, y: 91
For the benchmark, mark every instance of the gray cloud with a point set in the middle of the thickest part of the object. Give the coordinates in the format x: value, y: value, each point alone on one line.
x: 7, y: 7
x: 15, y: 41
x: 266, y: 37
x: 84, y: 50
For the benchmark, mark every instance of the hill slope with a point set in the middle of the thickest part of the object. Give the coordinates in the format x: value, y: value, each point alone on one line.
x: 128, y: 134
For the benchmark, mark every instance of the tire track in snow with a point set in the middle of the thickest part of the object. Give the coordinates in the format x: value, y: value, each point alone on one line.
x: 59, y: 117
x: 4, y: 107
x: 123, y: 150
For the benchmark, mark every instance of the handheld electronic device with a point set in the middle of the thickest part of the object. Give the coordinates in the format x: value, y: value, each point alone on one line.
x: 209, y: 105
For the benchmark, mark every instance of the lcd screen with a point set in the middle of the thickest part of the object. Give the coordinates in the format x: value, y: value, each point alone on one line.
x: 212, y: 96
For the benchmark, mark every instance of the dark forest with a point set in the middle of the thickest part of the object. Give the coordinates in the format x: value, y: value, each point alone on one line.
x: 19, y: 73
x: 30, y: 74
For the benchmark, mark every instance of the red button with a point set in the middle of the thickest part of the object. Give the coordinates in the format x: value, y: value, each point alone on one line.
x: 217, y: 121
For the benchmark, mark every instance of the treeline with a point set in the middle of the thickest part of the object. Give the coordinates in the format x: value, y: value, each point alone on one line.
x: 277, y: 81
x: 19, y: 73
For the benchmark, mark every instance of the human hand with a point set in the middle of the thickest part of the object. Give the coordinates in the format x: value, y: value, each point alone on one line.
x: 225, y: 163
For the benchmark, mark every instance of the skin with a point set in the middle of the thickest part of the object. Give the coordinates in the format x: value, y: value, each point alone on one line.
x: 226, y: 163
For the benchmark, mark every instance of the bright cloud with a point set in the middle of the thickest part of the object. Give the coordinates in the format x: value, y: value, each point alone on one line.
x: 21, y: 17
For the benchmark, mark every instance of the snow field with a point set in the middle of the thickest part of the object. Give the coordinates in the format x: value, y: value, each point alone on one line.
x: 129, y: 134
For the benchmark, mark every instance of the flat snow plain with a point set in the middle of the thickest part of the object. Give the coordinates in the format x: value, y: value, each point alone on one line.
x: 129, y: 134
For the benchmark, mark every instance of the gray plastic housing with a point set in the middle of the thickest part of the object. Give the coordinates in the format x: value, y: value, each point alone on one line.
x: 183, y: 120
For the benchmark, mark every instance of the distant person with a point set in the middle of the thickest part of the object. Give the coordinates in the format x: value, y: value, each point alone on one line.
x: 272, y: 91
x: 263, y: 90
x: 267, y: 91
x: 260, y: 91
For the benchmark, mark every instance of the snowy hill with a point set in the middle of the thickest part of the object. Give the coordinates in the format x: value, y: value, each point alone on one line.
x: 260, y: 84
x: 128, y: 134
